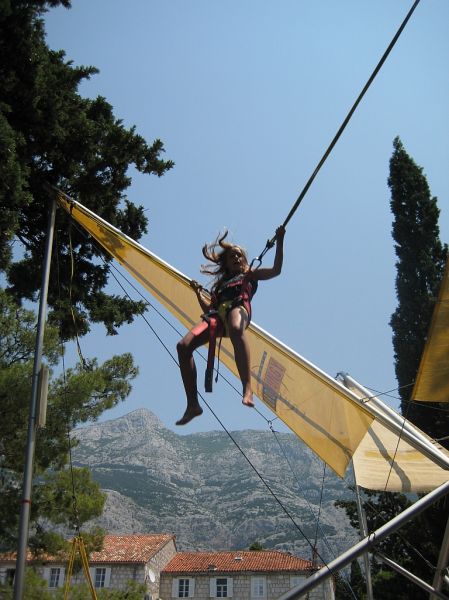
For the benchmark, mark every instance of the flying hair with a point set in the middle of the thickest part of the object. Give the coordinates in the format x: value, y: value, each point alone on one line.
x: 216, y: 253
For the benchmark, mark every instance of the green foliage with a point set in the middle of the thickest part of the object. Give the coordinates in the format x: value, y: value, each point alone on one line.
x: 407, y: 547
x: 49, y: 133
x: 420, y: 265
x: 133, y: 591
x: 256, y: 547
x: 35, y: 588
x: 77, y: 397
x: 355, y: 587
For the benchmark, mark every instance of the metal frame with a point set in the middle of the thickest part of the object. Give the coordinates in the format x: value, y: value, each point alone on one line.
x: 364, y: 532
x: 443, y: 561
x: 19, y: 580
x: 366, y: 544
x: 413, y: 578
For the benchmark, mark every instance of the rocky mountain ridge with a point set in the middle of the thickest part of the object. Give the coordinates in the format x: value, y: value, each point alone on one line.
x: 202, y: 488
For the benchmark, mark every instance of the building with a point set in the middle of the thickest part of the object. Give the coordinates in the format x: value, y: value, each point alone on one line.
x: 154, y: 561
x: 249, y: 575
x: 123, y: 558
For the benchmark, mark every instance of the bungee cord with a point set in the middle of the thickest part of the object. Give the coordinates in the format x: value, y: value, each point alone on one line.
x: 64, y: 375
x: 270, y: 243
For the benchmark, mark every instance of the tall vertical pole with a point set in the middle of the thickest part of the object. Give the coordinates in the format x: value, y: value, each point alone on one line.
x: 443, y: 561
x: 31, y: 437
x: 364, y: 533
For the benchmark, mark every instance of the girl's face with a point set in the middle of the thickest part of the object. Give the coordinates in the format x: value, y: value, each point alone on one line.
x: 235, y: 261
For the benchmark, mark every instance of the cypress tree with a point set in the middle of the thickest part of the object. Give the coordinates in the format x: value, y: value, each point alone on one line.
x: 420, y: 264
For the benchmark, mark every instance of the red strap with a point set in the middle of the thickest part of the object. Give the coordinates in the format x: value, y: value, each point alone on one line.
x: 213, y: 326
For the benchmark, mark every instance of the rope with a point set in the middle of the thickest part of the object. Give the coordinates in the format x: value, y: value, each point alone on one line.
x: 270, y: 243
x: 393, y: 460
x: 377, y: 393
x: 320, y: 504
x: 69, y: 439
x: 72, y: 308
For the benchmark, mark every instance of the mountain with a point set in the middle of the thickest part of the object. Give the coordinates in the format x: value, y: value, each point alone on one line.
x: 202, y: 488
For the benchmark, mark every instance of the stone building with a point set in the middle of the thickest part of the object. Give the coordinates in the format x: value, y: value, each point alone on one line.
x: 249, y: 575
x: 123, y: 558
x: 154, y: 561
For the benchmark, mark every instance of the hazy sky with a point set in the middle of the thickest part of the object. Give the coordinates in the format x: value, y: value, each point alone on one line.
x: 246, y: 96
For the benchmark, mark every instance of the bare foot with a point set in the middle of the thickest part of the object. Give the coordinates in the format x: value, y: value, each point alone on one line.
x: 248, y: 399
x: 190, y: 414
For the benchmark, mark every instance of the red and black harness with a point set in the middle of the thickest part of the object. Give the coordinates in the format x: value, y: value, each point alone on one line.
x: 236, y: 291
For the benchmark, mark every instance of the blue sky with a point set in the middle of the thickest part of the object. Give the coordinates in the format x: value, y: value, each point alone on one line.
x: 246, y: 96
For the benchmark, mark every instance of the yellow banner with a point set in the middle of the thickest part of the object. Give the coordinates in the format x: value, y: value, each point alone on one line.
x: 318, y: 409
x: 432, y: 382
x: 383, y: 461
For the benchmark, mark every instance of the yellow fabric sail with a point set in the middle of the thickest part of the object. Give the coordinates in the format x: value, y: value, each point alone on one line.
x: 432, y: 382
x: 322, y: 412
x: 385, y: 462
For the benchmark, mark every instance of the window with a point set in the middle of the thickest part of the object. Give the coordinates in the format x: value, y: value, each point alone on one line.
x: 9, y: 576
x: 55, y: 574
x: 100, y: 577
x: 183, y: 588
x: 220, y: 587
x: 258, y: 587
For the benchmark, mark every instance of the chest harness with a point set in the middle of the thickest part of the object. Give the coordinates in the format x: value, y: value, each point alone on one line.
x: 235, y: 291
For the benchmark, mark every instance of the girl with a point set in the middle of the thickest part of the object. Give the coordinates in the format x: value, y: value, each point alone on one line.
x: 235, y: 284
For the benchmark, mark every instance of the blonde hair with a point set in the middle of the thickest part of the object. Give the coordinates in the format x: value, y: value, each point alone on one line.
x: 217, y: 253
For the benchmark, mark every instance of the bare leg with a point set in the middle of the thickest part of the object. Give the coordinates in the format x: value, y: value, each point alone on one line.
x: 186, y: 347
x: 237, y: 323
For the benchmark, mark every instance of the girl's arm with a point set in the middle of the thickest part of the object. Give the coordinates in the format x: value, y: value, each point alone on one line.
x: 204, y: 301
x: 275, y: 270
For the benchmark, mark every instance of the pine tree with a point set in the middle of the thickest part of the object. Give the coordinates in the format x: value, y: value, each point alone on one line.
x: 50, y: 134
x: 77, y: 396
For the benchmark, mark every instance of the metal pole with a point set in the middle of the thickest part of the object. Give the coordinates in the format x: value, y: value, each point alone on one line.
x: 413, y: 578
x: 443, y: 561
x: 364, y: 545
x: 396, y: 423
x: 364, y: 533
x: 31, y: 438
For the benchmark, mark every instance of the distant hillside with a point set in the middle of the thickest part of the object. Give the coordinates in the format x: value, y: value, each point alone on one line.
x: 201, y: 488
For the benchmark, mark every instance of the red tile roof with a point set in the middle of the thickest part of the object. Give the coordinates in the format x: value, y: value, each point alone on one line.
x: 130, y: 548
x: 116, y: 549
x: 260, y: 561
